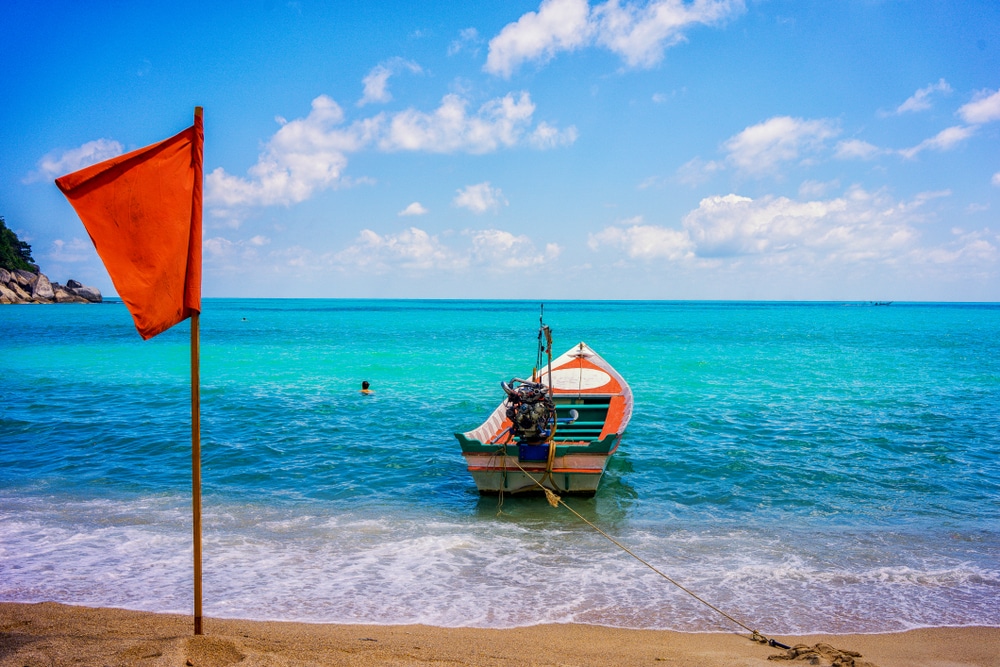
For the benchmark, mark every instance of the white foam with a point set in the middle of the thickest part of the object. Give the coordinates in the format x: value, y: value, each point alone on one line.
x: 369, y: 567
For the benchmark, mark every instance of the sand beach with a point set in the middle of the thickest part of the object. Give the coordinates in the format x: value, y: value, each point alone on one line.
x: 32, y: 635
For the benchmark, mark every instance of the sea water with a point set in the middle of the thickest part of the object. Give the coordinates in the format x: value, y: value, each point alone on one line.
x: 805, y: 467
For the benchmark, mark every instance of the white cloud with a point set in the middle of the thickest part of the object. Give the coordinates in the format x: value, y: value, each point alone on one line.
x: 417, y: 252
x: 920, y: 100
x: 468, y: 40
x: 697, y: 171
x: 304, y: 156
x: 640, y: 34
x: 641, y: 241
x: 221, y: 247
x: 817, y: 188
x: 56, y: 164
x: 547, y: 136
x: 480, y: 198
x: 74, y: 251
x: 376, y: 83
x: 637, y: 32
x: 984, y: 108
x: 760, y: 148
x: 944, y: 140
x: 856, y: 149
x: 733, y: 225
x: 558, y: 25
x: 416, y: 208
x: 226, y: 256
x: 412, y: 249
x: 996, y: 179
x: 500, y: 250
x: 857, y: 227
x: 499, y: 123
x: 308, y: 155
x: 977, y: 249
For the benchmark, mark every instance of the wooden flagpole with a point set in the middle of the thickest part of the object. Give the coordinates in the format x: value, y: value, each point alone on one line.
x: 196, y: 452
x: 196, y: 469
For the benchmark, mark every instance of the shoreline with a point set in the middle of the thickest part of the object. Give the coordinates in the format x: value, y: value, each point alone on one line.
x: 49, y: 633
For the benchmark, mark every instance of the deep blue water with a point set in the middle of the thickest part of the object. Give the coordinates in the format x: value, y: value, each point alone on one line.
x: 804, y: 466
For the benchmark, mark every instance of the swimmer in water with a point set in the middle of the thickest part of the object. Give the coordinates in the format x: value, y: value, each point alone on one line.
x: 365, y: 388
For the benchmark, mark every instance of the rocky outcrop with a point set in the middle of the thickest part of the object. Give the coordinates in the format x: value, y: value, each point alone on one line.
x: 19, y: 286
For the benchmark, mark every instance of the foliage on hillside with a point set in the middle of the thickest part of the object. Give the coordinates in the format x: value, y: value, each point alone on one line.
x: 14, y: 253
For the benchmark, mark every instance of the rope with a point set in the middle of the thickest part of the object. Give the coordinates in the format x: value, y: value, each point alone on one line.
x: 555, y: 501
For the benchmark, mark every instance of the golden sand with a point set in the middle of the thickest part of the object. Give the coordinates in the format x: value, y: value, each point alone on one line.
x: 54, y: 634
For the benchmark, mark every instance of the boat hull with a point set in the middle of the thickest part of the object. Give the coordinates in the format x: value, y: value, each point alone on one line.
x: 571, y: 474
x: 573, y: 463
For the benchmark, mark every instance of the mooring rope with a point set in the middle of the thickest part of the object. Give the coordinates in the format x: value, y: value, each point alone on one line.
x: 555, y: 501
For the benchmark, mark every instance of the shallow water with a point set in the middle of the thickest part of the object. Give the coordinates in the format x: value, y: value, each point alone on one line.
x: 806, y: 467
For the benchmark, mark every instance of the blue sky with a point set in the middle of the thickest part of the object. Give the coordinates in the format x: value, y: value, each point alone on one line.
x: 715, y: 149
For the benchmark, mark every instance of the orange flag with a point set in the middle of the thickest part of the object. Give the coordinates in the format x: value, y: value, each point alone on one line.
x: 143, y: 213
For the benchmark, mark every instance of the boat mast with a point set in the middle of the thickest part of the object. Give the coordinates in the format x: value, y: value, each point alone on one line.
x: 546, y: 346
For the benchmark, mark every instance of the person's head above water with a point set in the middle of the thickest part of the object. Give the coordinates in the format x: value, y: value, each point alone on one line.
x: 365, y: 387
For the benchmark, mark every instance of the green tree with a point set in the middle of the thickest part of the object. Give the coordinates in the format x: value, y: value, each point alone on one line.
x: 14, y: 253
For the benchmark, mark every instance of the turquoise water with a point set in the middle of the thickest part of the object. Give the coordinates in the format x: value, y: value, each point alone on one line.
x: 806, y: 467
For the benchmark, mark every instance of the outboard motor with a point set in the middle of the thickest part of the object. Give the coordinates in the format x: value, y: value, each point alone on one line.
x: 530, y: 409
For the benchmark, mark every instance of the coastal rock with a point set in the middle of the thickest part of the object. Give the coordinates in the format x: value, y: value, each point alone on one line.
x: 42, y: 289
x: 22, y: 296
x: 24, y: 278
x: 90, y: 294
x: 64, y: 295
x: 19, y: 286
x: 7, y: 296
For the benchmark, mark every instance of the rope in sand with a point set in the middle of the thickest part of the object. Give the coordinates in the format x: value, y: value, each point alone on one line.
x: 556, y: 501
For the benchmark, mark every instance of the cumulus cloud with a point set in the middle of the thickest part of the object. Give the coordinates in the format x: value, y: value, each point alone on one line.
x: 376, y: 83
x: 416, y: 208
x: 817, y: 188
x: 547, y: 136
x: 480, y: 198
x: 70, y: 252
x: 996, y: 179
x: 984, y: 108
x: 697, y: 171
x: 304, y: 156
x: 637, y: 32
x: 308, y: 155
x: 221, y: 247
x: 558, y: 25
x: 944, y: 140
x: 642, y: 241
x: 759, y: 149
x: 468, y: 40
x: 57, y: 164
x: 856, y: 149
x: 500, y: 250
x: 860, y: 226
x: 416, y: 251
x: 412, y: 249
x: 920, y: 100
x: 640, y: 34
x: 499, y: 123
x: 376, y: 86
x: 229, y: 256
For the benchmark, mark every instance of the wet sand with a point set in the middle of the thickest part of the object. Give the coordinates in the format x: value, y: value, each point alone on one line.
x: 54, y: 634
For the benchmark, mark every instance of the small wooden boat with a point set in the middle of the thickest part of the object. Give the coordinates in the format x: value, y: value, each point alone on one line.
x: 557, y: 430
